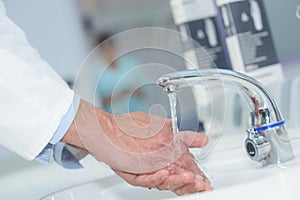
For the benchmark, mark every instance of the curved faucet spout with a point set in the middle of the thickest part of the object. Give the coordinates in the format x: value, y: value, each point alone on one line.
x: 267, y: 122
x: 253, y: 92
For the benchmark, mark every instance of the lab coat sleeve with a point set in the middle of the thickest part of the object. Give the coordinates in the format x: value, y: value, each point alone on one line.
x: 34, y: 98
x: 32, y: 106
x: 65, y: 123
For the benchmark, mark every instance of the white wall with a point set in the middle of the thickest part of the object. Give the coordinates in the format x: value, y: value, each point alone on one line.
x: 54, y: 28
x: 285, y: 26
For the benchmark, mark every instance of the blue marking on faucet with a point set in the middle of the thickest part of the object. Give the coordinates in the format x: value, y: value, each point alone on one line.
x: 263, y: 128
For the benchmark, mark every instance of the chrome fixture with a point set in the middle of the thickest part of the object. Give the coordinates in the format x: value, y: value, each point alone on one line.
x: 267, y: 140
x: 297, y: 11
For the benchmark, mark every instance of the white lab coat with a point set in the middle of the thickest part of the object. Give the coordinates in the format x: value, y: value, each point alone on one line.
x: 33, y: 98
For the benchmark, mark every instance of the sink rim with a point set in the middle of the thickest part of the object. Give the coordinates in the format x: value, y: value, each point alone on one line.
x: 284, y: 170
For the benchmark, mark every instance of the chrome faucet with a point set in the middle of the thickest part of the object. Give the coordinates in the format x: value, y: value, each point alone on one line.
x: 267, y: 139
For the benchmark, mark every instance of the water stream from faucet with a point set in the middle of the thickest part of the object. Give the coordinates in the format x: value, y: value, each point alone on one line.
x: 173, y: 103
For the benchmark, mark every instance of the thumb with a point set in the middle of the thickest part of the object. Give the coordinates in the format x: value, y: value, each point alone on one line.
x: 193, y: 139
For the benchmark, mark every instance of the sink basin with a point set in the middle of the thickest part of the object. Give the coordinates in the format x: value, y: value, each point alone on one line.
x: 112, y: 188
x: 231, y: 172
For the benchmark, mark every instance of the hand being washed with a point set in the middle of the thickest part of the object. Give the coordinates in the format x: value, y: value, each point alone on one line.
x: 181, y: 177
x: 140, y: 148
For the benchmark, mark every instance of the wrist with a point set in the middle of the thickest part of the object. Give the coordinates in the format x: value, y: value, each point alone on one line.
x: 71, y: 137
x: 83, y: 123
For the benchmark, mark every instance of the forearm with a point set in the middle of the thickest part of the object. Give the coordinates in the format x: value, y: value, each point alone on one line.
x: 27, y: 101
x: 85, y: 111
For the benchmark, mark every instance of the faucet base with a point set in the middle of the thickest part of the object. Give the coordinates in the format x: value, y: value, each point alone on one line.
x: 282, y: 150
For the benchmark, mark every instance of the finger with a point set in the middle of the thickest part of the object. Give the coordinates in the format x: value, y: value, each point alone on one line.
x: 193, y: 139
x: 177, y: 181
x: 191, y: 188
x: 151, y: 181
x: 199, y: 185
x: 187, y: 161
x: 147, y: 180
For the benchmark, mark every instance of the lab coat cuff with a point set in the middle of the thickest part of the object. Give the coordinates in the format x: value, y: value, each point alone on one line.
x: 45, y: 155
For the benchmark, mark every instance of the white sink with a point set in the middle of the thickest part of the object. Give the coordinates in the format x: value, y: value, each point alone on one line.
x: 232, y: 173
x: 111, y: 188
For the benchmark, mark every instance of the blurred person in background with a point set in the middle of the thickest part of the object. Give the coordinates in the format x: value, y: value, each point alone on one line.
x: 119, y: 79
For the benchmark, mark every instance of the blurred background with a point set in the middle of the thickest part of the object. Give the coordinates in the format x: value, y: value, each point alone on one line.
x: 64, y: 32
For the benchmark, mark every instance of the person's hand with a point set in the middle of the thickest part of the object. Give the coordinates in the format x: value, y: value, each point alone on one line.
x: 181, y: 177
x: 141, y: 149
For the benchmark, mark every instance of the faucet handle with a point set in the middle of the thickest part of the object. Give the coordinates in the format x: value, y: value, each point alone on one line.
x: 257, y: 146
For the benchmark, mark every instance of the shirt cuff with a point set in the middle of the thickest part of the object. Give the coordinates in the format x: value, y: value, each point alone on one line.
x: 45, y: 155
x: 65, y: 157
x: 66, y: 121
